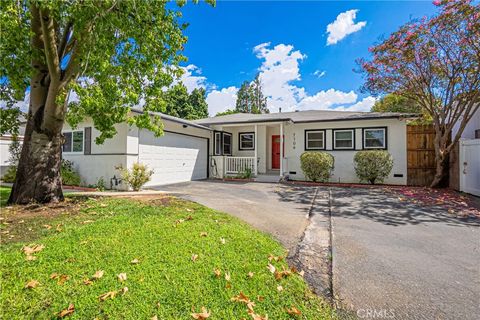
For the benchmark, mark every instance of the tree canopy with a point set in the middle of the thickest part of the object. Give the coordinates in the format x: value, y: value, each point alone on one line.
x: 434, y: 62
x: 179, y: 103
x: 250, y: 98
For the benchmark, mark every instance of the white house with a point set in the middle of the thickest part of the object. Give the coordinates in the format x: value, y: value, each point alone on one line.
x: 269, y: 145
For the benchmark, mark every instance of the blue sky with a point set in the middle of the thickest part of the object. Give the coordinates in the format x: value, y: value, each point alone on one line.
x: 287, y: 43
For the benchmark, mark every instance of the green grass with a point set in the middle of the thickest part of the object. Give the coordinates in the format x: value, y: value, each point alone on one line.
x: 4, y: 193
x: 166, y: 282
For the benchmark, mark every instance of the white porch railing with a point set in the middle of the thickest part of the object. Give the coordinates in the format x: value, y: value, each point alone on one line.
x: 236, y: 165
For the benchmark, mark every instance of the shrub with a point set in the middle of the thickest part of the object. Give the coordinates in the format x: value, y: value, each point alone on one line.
x: 100, y: 186
x: 246, y: 174
x: 137, y: 176
x: 373, y: 166
x: 317, y: 166
x: 69, y: 176
x: 10, y: 174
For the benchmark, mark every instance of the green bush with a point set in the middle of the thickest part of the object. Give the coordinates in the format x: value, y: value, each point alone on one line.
x: 69, y: 176
x: 10, y: 174
x: 373, y: 166
x: 137, y: 176
x: 317, y: 166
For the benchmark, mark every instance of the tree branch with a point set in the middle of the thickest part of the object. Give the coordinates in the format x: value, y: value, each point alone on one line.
x: 50, y: 46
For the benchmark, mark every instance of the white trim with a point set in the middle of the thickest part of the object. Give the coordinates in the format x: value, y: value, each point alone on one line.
x: 335, y: 140
x: 83, y: 141
x: 323, y: 139
x: 241, y: 134
x: 223, y: 143
x: 281, y: 149
x: 365, y: 139
x: 255, y: 141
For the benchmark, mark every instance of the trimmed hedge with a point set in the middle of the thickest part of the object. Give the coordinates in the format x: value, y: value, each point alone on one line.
x: 373, y: 166
x: 317, y: 166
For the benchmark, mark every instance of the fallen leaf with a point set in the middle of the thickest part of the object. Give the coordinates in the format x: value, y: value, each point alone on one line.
x: 189, y: 218
x: 135, y: 261
x: 63, y: 278
x: 108, y: 295
x: 271, y: 257
x: 227, y: 276
x: 154, y: 317
x: 30, y: 257
x: 66, y: 312
x: 294, y: 311
x: 189, y: 210
x: 54, y: 275
x: 124, y: 290
x: 279, y: 288
x: 33, y: 249
x: 202, y: 315
x: 250, y: 274
x: 282, y: 274
x: 122, y: 277
x: 242, y: 298
x: 228, y: 285
x: 47, y: 226
x: 257, y: 316
x: 203, y: 234
x: 87, y: 282
x: 217, y: 273
x: 32, y: 284
x: 98, y: 275
x: 179, y: 221
x: 260, y: 298
x: 271, y: 268
x: 301, y: 273
x: 87, y: 221
x: 222, y: 240
x: 194, y: 257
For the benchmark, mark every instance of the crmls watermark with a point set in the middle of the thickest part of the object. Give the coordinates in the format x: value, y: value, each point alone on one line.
x: 375, y: 313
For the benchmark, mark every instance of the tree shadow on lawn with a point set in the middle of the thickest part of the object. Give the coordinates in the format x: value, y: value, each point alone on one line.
x: 382, y: 206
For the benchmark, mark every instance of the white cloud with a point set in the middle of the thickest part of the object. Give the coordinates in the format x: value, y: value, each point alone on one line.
x: 364, y: 105
x: 343, y: 26
x: 319, y: 73
x: 326, y: 99
x: 221, y: 100
x: 192, y: 77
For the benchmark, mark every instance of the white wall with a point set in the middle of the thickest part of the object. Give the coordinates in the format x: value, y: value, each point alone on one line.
x: 472, y: 125
x: 344, y: 170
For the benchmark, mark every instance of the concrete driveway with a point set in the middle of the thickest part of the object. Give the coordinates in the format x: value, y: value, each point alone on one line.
x: 390, y: 259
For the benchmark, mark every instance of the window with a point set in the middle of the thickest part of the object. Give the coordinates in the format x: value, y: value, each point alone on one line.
x: 374, y: 138
x: 343, y: 139
x: 314, y: 139
x: 73, y: 141
x: 227, y: 144
x: 246, y: 141
x: 218, y: 143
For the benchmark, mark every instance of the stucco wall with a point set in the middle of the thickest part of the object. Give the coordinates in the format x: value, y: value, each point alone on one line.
x: 344, y: 170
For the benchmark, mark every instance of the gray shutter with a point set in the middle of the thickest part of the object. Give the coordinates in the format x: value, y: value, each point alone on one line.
x: 87, y: 149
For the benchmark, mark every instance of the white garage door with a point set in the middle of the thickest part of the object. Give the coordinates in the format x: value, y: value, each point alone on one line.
x: 173, y: 157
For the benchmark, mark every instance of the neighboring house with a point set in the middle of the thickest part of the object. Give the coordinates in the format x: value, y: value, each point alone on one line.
x: 271, y: 144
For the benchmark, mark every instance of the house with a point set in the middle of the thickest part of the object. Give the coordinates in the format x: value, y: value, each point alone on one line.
x: 269, y: 145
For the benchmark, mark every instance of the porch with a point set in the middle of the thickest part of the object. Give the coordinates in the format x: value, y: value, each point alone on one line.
x: 249, y: 150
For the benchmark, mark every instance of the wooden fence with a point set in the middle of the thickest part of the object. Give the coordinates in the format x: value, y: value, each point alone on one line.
x: 420, y: 155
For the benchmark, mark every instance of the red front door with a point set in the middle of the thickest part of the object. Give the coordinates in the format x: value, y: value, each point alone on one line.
x: 276, y: 152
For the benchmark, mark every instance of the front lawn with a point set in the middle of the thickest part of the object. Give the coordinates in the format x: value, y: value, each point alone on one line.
x: 177, y: 257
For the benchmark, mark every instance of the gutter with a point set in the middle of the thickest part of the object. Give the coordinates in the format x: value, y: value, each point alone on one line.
x: 173, y: 119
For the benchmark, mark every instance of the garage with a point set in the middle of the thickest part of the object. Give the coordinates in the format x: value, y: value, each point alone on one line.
x: 174, y: 157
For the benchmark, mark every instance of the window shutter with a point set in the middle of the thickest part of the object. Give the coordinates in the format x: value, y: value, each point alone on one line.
x: 87, y: 149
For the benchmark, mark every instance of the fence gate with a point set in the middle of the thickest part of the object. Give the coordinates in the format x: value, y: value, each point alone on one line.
x: 470, y: 166
x: 420, y: 155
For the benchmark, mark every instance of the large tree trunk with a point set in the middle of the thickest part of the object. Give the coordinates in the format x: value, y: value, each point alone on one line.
x: 38, y: 176
x: 441, y: 159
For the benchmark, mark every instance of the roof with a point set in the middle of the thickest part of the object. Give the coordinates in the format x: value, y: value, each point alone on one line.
x: 302, y: 117
x: 174, y: 119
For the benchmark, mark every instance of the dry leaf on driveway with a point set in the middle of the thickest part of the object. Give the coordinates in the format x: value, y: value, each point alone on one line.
x: 67, y: 312
x: 294, y: 311
x: 122, y: 277
x: 32, y: 284
x: 202, y: 315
